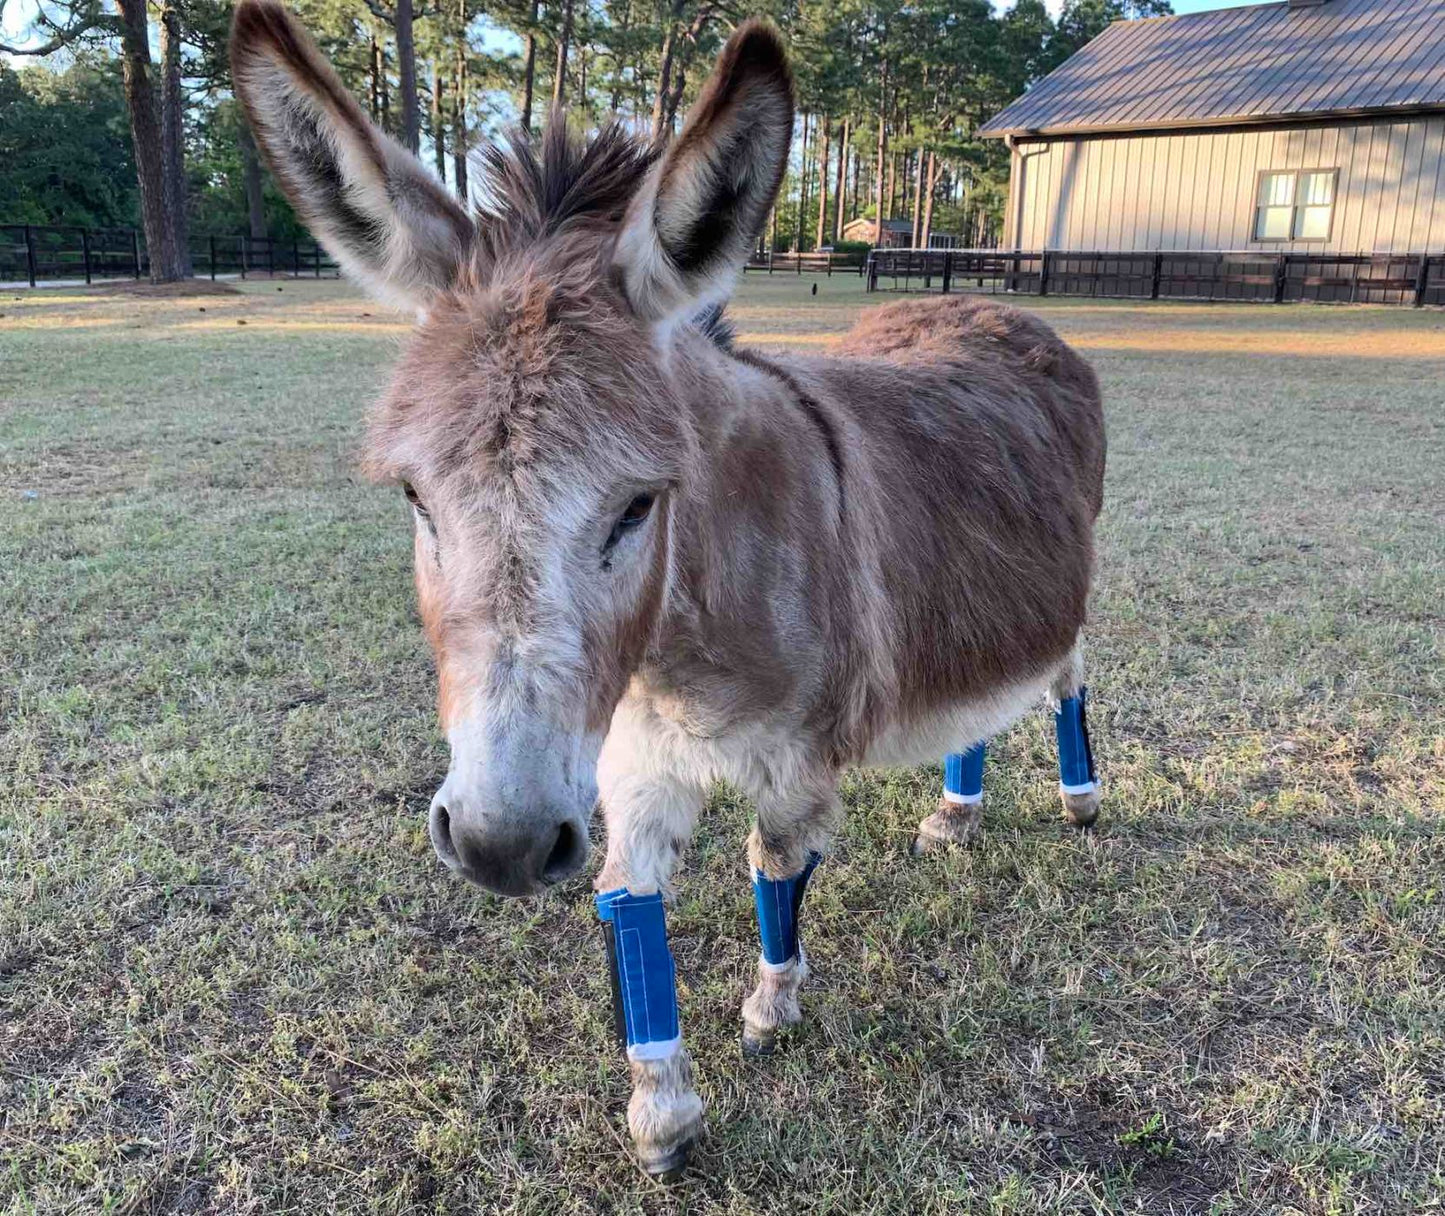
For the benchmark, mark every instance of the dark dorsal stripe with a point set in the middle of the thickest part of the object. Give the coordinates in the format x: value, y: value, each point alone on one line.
x: 809, y: 405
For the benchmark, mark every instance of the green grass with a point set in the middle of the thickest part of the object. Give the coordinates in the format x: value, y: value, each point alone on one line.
x: 233, y: 978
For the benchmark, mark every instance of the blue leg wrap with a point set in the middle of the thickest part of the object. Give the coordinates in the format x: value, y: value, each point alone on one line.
x: 778, y: 903
x: 644, y: 982
x: 963, y: 776
x: 1076, y: 760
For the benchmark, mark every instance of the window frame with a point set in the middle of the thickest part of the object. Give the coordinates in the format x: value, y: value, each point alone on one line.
x: 1295, y: 206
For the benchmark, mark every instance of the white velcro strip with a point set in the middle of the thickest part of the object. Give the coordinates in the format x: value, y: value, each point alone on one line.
x: 1087, y: 788
x: 777, y: 968
x: 655, y: 1051
x: 962, y: 799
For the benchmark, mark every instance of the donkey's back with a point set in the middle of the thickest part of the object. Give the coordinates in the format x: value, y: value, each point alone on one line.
x: 973, y: 473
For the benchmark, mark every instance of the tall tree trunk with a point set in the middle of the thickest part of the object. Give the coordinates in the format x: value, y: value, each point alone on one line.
x: 375, y: 74
x: 892, y: 184
x: 406, y: 76
x: 882, y: 199
x: 624, y: 28
x: 251, y: 175
x: 461, y: 94
x: 664, y: 77
x: 821, y: 237
x: 917, y: 200
x: 931, y: 189
x: 855, y: 195
x: 438, y: 123
x: 802, y: 190
x: 145, y: 129
x: 841, y: 184
x: 385, y: 88
x: 559, y: 77
x: 529, y: 69
x: 173, y: 145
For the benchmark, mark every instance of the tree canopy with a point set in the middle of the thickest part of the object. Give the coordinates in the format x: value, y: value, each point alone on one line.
x: 890, y: 97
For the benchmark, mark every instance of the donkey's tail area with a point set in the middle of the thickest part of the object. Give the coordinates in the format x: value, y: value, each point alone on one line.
x: 984, y: 333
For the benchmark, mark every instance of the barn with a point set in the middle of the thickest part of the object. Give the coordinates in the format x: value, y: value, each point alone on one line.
x: 1298, y: 127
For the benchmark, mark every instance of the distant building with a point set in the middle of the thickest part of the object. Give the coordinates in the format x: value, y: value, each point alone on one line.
x: 897, y: 234
x: 1312, y: 126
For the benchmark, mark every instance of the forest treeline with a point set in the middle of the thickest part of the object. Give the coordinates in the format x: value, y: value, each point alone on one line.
x: 119, y: 112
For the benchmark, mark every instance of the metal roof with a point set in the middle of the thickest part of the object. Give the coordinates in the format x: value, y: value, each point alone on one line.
x: 1263, y: 63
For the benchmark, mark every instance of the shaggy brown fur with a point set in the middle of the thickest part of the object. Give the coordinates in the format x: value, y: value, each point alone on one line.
x: 646, y: 561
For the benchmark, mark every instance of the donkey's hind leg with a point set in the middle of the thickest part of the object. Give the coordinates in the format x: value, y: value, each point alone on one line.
x: 1078, y: 781
x: 783, y: 849
x: 959, y: 818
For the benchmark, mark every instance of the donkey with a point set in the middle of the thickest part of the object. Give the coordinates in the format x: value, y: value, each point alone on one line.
x: 648, y: 560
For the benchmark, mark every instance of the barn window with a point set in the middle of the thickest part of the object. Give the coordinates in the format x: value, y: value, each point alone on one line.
x: 1295, y: 206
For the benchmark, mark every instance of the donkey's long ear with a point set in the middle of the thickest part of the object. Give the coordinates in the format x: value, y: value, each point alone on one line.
x: 365, y: 197
x: 692, y: 224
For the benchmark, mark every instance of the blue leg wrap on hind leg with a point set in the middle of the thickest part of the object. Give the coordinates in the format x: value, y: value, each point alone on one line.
x: 1076, y: 760
x: 963, y: 776
x: 644, y: 981
x: 778, y: 903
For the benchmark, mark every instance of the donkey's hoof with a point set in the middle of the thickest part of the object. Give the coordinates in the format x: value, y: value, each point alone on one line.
x: 952, y: 824
x: 668, y: 1167
x: 759, y: 1042
x: 1080, y: 809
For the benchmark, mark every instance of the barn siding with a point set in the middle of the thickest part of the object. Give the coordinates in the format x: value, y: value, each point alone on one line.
x: 1187, y: 190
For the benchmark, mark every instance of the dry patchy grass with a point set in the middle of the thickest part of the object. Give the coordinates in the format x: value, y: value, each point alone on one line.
x: 233, y: 978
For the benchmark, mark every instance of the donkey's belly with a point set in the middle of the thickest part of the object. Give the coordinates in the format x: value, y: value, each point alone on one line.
x: 955, y: 728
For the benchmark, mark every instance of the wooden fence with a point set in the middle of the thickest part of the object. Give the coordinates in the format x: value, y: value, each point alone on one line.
x: 43, y: 253
x: 1363, y: 278
x: 821, y: 262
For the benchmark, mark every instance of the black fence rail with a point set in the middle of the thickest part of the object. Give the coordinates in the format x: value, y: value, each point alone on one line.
x: 1362, y: 278
x: 44, y: 253
x: 820, y: 262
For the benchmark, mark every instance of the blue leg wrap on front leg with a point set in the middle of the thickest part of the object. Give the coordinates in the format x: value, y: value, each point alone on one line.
x: 644, y: 980
x: 963, y: 776
x: 778, y: 903
x: 1076, y: 760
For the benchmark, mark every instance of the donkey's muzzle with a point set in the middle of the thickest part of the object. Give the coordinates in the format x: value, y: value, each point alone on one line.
x: 505, y: 856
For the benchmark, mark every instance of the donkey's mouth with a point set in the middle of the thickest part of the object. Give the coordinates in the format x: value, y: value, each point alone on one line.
x: 505, y: 859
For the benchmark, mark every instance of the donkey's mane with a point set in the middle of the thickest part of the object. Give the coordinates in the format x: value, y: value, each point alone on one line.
x: 530, y: 191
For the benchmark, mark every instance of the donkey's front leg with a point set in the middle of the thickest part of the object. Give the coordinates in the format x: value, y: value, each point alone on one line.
x: 1078, y: 780
x: 650, y: 820
x: 784, y: 848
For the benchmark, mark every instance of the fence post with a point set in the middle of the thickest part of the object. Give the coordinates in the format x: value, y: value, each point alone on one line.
x: 1281, y: 268
x: 295, y: 257
x: 1422, y: 279
x: 1044, y: 268
x: 213, y: 257
x: 135, y: 252
x: 85, y: 252
x: 271, y: 256
x: 30, y: 255
x: 1158, y: 274
x: 947, y: 270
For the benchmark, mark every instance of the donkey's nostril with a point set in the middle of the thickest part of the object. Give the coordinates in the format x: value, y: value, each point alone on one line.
x: 441, y: 834
x: 566, y: 854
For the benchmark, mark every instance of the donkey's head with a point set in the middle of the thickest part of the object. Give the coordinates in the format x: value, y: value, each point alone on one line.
x: 538, y: 423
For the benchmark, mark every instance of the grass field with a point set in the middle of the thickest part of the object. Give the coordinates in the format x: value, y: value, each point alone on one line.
x: 233, y: 977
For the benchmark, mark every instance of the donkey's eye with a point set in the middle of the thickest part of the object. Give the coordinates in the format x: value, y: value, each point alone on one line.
x: 413, y: 497
x: 637, y: 511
